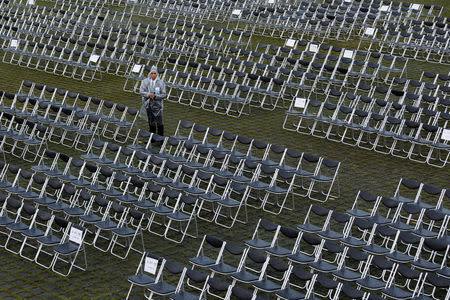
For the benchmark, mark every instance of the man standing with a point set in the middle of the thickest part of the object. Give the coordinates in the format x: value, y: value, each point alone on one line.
x: 153, y: 92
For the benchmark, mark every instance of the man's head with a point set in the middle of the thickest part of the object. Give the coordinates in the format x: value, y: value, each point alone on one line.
x: 153, y: 72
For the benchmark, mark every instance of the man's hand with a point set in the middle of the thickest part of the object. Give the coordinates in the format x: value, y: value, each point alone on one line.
x: 151, y: 95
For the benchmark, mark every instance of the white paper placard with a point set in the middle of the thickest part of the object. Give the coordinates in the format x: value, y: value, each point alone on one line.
x: 415, y: 6
x: 300, y: 102
x: 136, y: 68
x: 30, y: 2
x: 94, y: 58
x: 348, y: 1
x: 384, y: 8
x: 348, y: 53
x: 290, y: 43
x: 150, y: 265
x: 445, y: 135
x: 14, y: 43
x: 271, y: 1
x: 236, y: 12
x: 314, y: 48
x: 76, y: 235
x: 369, y: 31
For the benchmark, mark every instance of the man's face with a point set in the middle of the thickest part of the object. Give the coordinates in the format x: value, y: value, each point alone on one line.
x: 153, y: 75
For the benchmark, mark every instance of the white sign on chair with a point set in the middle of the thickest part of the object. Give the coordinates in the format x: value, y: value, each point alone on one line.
x: 384, y: 8
x: 150, y: 265
x: 136, y: 68
x: 14, y: 44
x: 314, y: 48
x: 76, y: 235
x: 94, y: 58
x: 236, y: 12
x: 445, y: 135
x: 300, y: 102
x: 31, y: 2
x: 290, y: 43
x: 415, y: 6
x: 369, y: 31
x: 348, y: 53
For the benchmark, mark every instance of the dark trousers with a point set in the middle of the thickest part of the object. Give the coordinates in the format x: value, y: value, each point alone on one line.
x: 155, y: 122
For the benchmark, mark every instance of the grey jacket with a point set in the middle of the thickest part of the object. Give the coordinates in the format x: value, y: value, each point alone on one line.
x: 156, y: 104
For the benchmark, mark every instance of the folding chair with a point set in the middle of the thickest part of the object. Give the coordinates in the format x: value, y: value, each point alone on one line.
x: 162, y: 285
x: 185, y: 213
x: 182, y: 292
x: 44, y: 220
x: 25, y: 218
x: 129, y: 232
x: 322, y: 177
x: 149, y: 265
x: 71, y: 246
x: 210, y: 244
x: 57, y: 231
x: 222, y: 264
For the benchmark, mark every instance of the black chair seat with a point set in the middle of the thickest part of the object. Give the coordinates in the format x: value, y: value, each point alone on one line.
x: 96, y: 188
x: 375, y: 249
x: 90, y: 218
x: 371, y: 283
x: 228, y: 202
x: 17, y: 227
x: 106, y: 224
x: 66, y: 248
x: 278, y: 251
x: 161, y: 210
x: 41, y: 168
x: 444, y: 272
x: 5, y: 220
x: 141, y: 279
x: 44, y: 201
x: 330, y: 235
x: 245, y: 276
x: 124, y: 231
x: 309, y: 228
x: 183, y: 295
x: 267, y: 285
x: 323, y: 266
x: 352, y: 242
x: 144, y: 204
x: 29, y: 195
x: 127, y: 198
x: 49, y: 240
x: 301, y: 258
x: 399, y: 257
x: 276, y: 190
x: 162, y: 180
x: 397, y: 293
x: 347, y: 275
x: 211, y: 197
x: 162, y: 288
x: 58, y: 206
x: 178, y: 216
x: 33, y: 233
x: 74, y: 211
x: 257, y: 244
x: 15, y: 189
x: 67, y: 177
x: 290, y: 294
x: 358, y: 213
x: 112, y: 193
x: 202, y: 261
x: 222, y: 268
